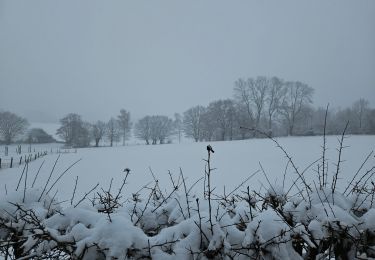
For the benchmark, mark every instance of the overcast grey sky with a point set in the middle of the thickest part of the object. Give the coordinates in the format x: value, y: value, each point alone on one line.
x: 160, y: 57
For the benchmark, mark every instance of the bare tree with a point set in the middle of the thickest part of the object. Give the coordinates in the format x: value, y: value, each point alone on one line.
x: 124, y: 124
x: 154, y: 128
x: 360, y: 110
x: 113, y: 134
x: 98, y: 131
x: 222, y: 113
x: 252, y: 94
x: 243, y: 95
x: 178, y: 126
x: 343, y: 116
x: 161, y: 128
x: 193, y: 122
x: 142, y: 129
x: 258, y: 90
x: 242, y: 120
x: 275, y: 94
x: 297, y: 96
x: 11, y: 126
x: 74, y: 131
x: 209, y: 127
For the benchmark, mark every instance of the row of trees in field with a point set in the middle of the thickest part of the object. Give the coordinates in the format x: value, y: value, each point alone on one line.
x: 78, y: 133
x: 269, y: 104
x: 152, y: 129
x: 276, y: 107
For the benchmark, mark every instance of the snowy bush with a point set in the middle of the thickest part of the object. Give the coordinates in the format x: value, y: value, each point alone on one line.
x: 319, y: 222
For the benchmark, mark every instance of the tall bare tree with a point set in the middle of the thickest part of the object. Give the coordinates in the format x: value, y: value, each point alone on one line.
x: 124, y: 124
x: 113, y: 134
x: 98, y: 131
x: 178, y: 126
x: 360, y: 110
x: 242, y: 120
x: 243, y: 96
x: 252, y: 94
x: 11, y: 126
x: 74, y: 131
x: 297, y: 96
x: 161, y: 128
x: 222, y: 114
x: 193, y: 122
x: 258, y: 90
x: 275, y: 93
x: 142, y: 129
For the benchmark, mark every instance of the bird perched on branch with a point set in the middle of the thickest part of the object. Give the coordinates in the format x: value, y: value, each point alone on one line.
x: 209, y: 148
x: 127, y: 170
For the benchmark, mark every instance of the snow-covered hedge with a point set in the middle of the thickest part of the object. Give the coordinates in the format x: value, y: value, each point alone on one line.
x: 309, y: 225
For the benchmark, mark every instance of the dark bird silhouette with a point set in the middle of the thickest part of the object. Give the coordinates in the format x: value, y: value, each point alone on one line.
x: 209, y: 148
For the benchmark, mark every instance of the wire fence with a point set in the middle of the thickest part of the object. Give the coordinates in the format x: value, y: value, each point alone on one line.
x: 15, y: 161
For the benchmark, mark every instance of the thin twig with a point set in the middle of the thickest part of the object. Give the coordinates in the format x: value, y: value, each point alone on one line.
x: 49, y: 177
x: 86, y: 194
x: 62, y: 174
x: 74, y: 191
x: 341, y: 142
x: 36, y: 176
x: 360, y: 168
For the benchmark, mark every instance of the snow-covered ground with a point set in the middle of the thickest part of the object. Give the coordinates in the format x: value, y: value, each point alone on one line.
x: 267, y: 220
x: 234, y: 161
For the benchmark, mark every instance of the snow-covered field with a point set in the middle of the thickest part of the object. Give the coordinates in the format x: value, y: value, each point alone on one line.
x: 234, y: 161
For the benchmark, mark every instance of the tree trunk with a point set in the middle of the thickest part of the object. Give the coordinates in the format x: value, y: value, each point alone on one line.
x: 291, y: 129
x: 270, y: 123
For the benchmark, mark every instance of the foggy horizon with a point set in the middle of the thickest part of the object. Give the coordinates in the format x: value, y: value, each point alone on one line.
x: 163, y: 57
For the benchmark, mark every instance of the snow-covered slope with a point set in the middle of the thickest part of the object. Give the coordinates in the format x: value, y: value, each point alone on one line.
x: 234, y: 161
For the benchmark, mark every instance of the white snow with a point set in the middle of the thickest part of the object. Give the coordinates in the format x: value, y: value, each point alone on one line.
x: 158, y: 224
x: 234, y: 162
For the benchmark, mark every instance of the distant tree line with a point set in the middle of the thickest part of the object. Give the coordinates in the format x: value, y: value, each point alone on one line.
x: 276, y: 107
x: 78, y: 133
x: 269, y: 104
